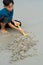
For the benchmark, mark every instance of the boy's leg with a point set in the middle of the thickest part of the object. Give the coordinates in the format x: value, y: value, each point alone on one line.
x: 3, y: 22
x: 0, y: 26
x: 3, y: 30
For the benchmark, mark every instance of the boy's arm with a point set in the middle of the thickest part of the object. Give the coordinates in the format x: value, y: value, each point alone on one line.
x: 12, y: 20
x: 19, y: 29
x: 15, y: 23
x: 12, y: 26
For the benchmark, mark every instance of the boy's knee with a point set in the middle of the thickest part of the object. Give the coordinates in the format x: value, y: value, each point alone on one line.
x: 19, y: 22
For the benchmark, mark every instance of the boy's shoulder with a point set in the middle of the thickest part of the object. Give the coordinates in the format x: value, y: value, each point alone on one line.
x: 2, y: 11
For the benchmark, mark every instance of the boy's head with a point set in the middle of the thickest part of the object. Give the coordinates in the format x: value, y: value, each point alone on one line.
x: 8, y: 4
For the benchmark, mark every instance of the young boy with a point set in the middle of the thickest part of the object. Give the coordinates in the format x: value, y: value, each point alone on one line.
x: 6, y: 17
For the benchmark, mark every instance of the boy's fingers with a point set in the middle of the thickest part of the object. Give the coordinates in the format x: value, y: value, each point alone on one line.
x: 16, y: 23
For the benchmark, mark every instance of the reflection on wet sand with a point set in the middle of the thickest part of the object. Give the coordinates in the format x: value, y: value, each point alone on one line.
x: 20, y: 46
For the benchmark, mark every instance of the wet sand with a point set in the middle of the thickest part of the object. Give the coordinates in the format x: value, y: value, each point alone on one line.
x: 17, y: 44
x: 24, y: 50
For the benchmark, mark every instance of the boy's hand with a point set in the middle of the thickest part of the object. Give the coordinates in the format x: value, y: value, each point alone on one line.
x: 17, y: 23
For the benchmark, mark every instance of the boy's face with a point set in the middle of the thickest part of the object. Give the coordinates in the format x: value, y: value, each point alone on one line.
x: 9, y: 7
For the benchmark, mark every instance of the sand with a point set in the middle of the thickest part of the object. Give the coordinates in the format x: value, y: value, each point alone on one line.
x: 17, y: 44
x: 16, y: 47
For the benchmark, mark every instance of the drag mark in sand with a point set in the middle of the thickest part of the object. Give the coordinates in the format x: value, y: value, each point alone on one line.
x: 20, y: 46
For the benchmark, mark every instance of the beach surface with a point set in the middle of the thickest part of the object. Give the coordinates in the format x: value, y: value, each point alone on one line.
x: 16, y: 49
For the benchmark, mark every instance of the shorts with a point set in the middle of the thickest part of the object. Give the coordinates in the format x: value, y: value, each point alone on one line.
x: 4, y: 20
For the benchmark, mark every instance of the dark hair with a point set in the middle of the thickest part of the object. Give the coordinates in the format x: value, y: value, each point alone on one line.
x: 7, y: 2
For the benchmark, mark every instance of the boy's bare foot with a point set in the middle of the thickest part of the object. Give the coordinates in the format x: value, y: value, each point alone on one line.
x: 4, y: 31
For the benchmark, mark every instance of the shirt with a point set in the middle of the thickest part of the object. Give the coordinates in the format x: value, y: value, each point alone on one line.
x: 5, y: 13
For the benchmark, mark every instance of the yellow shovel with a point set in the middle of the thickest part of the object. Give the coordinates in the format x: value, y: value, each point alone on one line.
x: 23, y: 32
